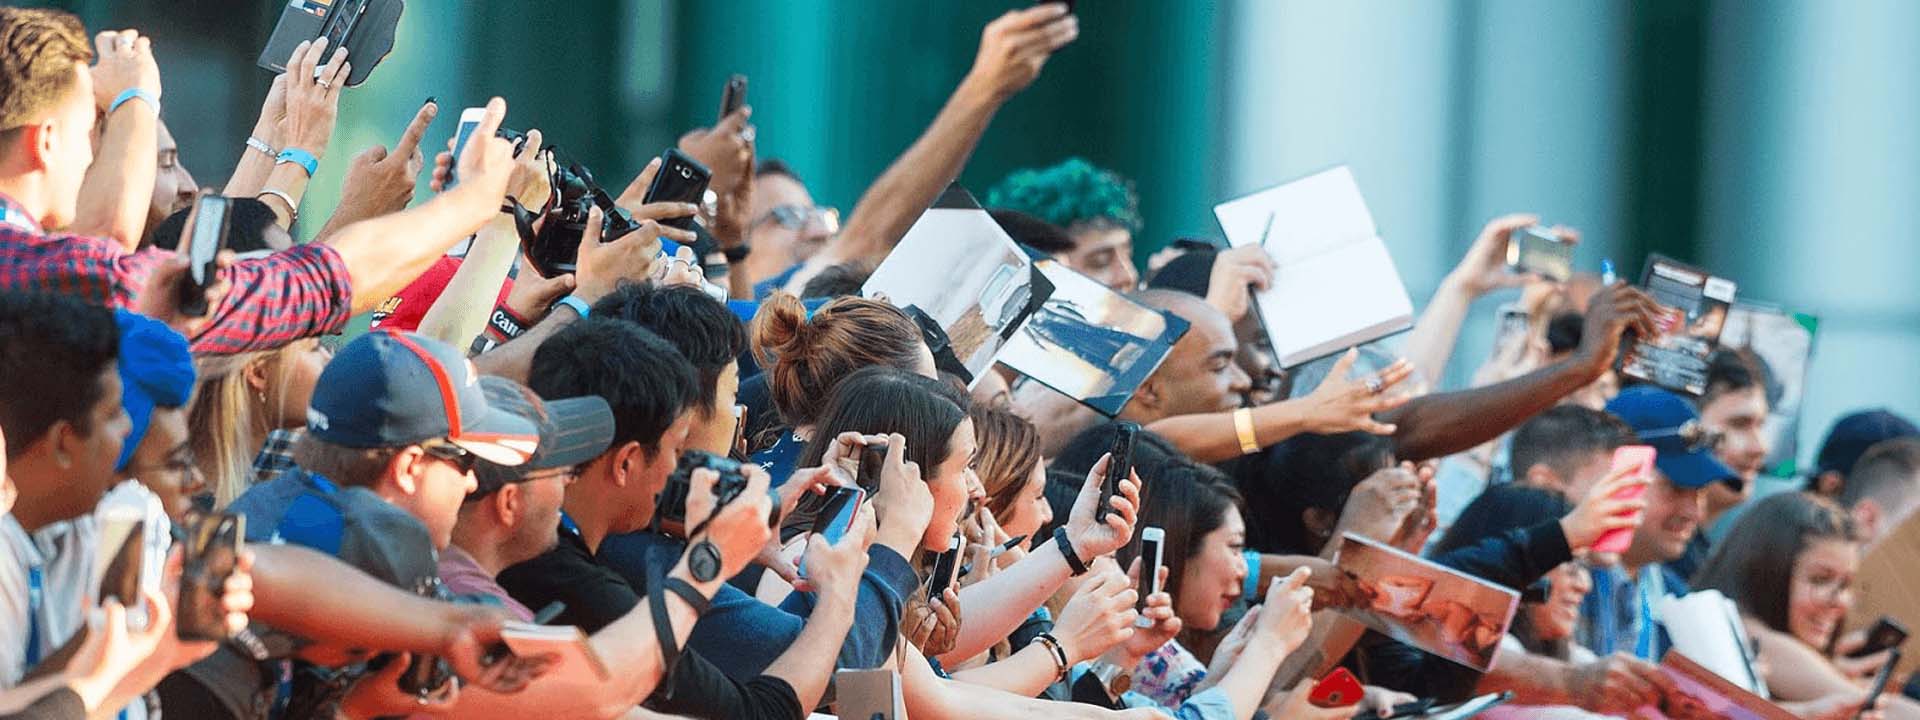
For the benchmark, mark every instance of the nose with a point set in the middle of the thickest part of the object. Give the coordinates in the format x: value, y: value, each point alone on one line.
x: 1124, y: 276
x: 1237, y: 380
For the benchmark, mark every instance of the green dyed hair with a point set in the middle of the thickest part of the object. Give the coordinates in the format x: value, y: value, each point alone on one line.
x: 1074, y: 192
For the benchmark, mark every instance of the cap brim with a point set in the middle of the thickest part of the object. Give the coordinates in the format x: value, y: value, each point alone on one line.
x: 1694, y: 470
x: 500, y: 437
x: 582, y: 429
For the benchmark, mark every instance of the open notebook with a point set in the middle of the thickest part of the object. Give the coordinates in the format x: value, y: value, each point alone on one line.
x: 1335, y: 285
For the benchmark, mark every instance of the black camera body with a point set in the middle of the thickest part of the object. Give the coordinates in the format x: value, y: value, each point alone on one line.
x: 555, y: 248
x: 671, y: 504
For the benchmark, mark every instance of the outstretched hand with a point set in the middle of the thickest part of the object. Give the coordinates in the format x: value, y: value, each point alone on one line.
x: 1014, y: 48
x: 1343, y: 404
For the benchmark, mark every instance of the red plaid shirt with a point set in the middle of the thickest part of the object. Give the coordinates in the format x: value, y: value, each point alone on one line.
x: 292, y: 294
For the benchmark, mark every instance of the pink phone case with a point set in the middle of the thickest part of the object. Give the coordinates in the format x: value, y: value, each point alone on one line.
x: 1639, y: 457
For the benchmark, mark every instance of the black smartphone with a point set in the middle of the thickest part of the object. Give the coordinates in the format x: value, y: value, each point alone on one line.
x: 1885, y: 633
x: 873, y: 458
x: 208, y: 239
x: 944, y: 566
x: 733, y: 95
x: 681, y: 179
x: 1118, y: 468
x: 1880, y: 681
x: 212, y: 552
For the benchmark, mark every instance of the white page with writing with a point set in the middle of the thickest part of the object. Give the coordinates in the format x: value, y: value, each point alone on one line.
x: 1348, y: 293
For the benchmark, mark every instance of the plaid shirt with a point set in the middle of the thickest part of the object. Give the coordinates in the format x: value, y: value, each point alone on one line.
x: 292, y: 294
x: 276, y: 456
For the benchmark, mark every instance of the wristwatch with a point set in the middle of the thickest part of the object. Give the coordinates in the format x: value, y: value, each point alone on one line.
x: 704, y: 561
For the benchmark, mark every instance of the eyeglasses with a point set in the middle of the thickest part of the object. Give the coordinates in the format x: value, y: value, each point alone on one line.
x: 177, y: 470
x: 445, y: 450
x: 801, y: 217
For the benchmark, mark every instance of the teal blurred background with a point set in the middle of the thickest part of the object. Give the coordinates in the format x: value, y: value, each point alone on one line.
x: 1772, y: 140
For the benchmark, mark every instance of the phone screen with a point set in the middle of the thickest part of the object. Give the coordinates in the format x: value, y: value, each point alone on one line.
x: 873, y: 457
x: 1885, y: 633
x: 1152, y: 540
x: 209, y: 236
x: 469, y: 121
x: 1880, y: 680
x: 1538, y: 250
x: 944, y: 566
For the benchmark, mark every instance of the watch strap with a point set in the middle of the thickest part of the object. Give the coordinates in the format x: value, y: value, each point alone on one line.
x: 1074, y: 563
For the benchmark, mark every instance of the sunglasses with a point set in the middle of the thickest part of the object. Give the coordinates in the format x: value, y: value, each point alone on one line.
x: 1695, y: 436
x: 800, y: 217
x: 445, y: 450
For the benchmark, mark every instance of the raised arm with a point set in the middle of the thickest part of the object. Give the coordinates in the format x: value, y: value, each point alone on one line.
x: 1440, y: 424
x: 117, y: 188
x: 462, y: 309
x: 1339, y: 404
x: 1013, y: 48
x: 312, y: 104
x: 1483, y: 270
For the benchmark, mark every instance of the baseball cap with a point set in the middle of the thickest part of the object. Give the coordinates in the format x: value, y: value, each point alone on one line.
x: 156, y: 370
x: 390, y: 389
x: 1853, y: 434
x: 572, y: 431
x: 1670, y: 424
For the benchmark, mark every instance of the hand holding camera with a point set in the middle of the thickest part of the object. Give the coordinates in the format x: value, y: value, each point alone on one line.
x: 733, y: 508
x: 1484, y: 268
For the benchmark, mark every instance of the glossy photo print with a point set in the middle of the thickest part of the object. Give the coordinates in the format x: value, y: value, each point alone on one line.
x: 1429, y: 606
x: 1091, y: 343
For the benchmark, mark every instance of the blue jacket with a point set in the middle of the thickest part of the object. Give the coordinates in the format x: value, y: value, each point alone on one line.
x: 743, y: 635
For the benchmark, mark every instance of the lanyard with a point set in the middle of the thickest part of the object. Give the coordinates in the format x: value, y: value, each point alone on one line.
x: 33, y: 615
x: 1644, y: 646
x: 567, y: 524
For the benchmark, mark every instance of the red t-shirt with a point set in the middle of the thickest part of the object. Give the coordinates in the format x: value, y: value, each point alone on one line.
x: 403, y: 311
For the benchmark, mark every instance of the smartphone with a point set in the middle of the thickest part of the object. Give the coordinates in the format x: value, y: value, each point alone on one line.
x: 733, y: 95
x: 209, y: 237
x: 873, y: 459
x: 1885, y: 633
x: 1118, y: 468
x: 868, y: 695
x: 1880, y: 681
x: 120, y: 572
x: 1539, y: 250
x: 681, y: 179
x: 469, y: 121
x: 836, y: 518
x: 944, y: 566
x: 1640, y: 459
x: 1337, y: 690
x: 212, y: 551
x: 1153, y: 543
x: 338, y: 26
x: 739, y: 445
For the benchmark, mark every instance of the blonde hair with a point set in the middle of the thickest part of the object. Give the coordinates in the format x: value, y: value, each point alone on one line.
x: 226, y: 425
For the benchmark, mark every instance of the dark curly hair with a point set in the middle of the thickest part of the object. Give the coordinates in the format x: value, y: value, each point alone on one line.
x: 1071, y: 194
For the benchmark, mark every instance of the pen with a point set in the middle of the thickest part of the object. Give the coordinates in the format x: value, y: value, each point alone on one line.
x: 1008, y: 545
x: 1606, y: 272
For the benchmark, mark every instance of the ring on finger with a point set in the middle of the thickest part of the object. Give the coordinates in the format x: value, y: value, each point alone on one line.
x: 1374, y: 385
x: 322, y: 82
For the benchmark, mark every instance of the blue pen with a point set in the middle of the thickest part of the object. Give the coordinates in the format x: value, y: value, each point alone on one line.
x: 1606, y: 272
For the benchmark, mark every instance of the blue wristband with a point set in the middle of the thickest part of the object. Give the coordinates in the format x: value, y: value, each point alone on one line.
x: 579, y: 306
x: 132, y: 93
x: 304, y: 159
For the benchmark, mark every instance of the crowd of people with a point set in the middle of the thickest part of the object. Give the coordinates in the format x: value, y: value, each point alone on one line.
x: 646, y: 447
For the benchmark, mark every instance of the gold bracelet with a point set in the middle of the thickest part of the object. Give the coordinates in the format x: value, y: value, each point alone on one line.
x: 1243, y: 426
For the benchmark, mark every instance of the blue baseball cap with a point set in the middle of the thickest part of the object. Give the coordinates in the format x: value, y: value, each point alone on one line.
x: 390, y: 389
x: 1853, y: 434
x: 156, y: 370
x: 1670, y: 424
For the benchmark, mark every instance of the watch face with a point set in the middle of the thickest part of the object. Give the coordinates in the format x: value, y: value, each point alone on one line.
x: 704, y: 561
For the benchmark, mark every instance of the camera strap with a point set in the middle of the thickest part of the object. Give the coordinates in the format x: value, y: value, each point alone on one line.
x: 662, y: 629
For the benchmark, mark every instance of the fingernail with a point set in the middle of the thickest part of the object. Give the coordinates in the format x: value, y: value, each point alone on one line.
x: 431, y: 100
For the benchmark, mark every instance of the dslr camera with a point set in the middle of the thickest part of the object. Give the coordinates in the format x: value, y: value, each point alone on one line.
x: 555, y: 248
x: 671, y: 504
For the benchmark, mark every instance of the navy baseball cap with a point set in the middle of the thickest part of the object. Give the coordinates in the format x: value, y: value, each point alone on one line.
x: 572, y: 432
x: 1670, y: 424
x: 389, y: 389
x: 1853, y: 434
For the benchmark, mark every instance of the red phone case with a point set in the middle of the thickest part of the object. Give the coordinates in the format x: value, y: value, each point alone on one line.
x: 1337, y: 690
x: 1639, y: 457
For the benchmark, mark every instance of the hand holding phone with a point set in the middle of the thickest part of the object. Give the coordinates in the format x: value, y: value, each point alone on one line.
x: 681, y: 179
x: 1880, y: 682
x: 945, y: 567
x: 836, y: 518
x: 1153, y: 542
x: 469, y: 121
x: 1885, y: 633
x: 733, y: 95
x: 1119, y: 466
x: 1638, y: 459
x: 1337, y: 690
x: 212, y: 553
x: 209, y: 237
x: 1540, y: 251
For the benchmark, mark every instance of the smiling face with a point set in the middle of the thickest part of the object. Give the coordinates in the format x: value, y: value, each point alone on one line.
x: 1821, y: 592
x: 951, y: 484
x: 1199, y: 375
x: 1568, y: 584
x: 1214, y: 577
x: 1673, y: 514
x: 1740, y: 418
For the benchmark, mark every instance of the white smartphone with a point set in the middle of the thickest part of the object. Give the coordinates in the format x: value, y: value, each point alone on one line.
x: 469, y: 121
x: 1153, y: 542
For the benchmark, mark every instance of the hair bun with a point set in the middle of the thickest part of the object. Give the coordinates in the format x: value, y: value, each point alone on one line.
x: 779, y: 328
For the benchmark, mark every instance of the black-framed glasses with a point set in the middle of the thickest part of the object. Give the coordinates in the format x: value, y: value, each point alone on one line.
x: 445, y: 450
